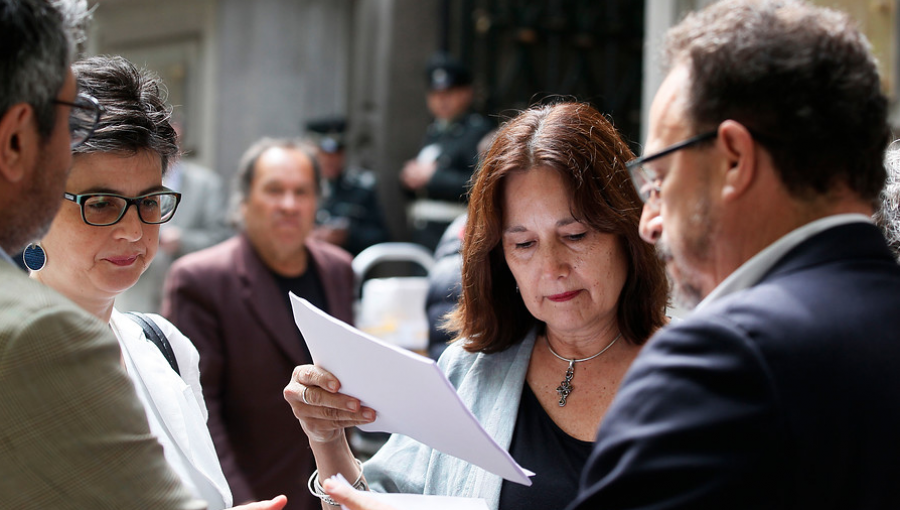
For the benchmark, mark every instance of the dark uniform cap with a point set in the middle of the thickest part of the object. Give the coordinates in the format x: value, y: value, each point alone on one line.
x: 444, y: 72
x: 328, y: 133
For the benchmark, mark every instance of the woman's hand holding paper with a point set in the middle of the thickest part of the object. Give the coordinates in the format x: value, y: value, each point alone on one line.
x: 323, y: 412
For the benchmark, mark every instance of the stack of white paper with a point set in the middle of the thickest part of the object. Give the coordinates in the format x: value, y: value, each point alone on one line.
x: 409, y: 392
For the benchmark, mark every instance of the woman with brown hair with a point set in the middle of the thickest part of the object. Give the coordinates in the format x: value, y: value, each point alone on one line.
x: 559, y: 294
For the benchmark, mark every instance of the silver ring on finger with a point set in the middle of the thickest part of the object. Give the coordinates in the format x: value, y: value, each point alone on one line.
x: 303, y: 396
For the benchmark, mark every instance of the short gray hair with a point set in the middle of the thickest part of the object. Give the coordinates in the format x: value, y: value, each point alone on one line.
x: 888, y: 214
x: 40, y: 38
x: 76, y: 17
x: 137, y: 115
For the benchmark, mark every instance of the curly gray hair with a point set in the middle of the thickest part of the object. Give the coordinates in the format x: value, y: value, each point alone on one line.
x: 40, y: 39
x: 888, y: 214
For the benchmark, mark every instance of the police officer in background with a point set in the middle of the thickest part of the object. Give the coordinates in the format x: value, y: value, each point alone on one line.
x: 437, y: 177
x: 349, y: 214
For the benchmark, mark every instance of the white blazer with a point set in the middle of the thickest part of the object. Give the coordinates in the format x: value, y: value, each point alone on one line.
x: 175, y: 406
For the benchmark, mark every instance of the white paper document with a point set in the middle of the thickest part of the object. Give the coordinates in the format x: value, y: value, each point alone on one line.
x: 419, y: 501
x: 409, y: 393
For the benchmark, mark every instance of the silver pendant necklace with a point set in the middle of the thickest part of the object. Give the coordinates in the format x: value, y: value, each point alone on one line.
x: 565, y: 388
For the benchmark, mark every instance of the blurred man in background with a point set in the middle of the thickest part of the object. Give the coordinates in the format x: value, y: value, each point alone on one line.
x: 349, y: 214
x: 232, y: 301
x: 438, y: 176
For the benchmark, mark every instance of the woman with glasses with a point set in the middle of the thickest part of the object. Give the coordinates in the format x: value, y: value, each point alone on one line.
x: 559, y: 294
x: 104, y: 237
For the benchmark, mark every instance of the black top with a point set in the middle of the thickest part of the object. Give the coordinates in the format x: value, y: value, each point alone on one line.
x: 308, y: 286
x: 352, y: 198
x: 458, y: 156
x: 444, y: 285
x: 540, y: 445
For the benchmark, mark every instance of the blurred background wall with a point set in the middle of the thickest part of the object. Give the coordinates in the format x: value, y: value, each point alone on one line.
x: 238, y: 70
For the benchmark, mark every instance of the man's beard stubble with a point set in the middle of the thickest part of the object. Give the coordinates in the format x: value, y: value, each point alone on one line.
x: 684, y: 278
x: 39, y: 201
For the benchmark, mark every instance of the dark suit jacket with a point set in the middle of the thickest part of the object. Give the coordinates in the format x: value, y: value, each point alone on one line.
x: 227, y: 302
x: 781, y: 396
x: 458, y: 142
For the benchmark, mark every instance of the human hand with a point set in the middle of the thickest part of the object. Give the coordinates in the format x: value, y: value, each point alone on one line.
x: 416, y: 175
x: 276, y: 503
x: 322, y: 411
x: 352, y: 499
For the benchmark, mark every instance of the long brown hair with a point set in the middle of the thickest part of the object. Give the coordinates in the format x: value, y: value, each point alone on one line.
x: 581, y: 144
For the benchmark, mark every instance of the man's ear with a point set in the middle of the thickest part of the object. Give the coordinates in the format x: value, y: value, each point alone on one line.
x: 18, y: 141
x: 738, y: 146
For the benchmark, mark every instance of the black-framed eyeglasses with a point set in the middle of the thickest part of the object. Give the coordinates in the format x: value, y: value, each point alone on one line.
x: 645, y: 180
x: 83, y: 118
x: 104, y: 209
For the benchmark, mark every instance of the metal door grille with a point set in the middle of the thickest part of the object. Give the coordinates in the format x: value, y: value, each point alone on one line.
x: 526, y: 51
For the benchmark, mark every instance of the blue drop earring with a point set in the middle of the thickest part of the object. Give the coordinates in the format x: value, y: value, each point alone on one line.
x: 35, y: 257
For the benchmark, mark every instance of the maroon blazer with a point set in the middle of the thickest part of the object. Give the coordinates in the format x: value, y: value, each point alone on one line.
x: 227, y: 302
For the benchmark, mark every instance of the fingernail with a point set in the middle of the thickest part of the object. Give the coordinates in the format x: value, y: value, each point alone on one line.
x: 332, y: 386
x: 369, y: 414
x: 353, y: 406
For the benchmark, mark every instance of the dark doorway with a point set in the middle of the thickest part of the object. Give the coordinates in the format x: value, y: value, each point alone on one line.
x: 528, y: 51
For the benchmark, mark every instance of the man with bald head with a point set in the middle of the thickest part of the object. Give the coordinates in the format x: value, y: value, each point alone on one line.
x: 231, y: 300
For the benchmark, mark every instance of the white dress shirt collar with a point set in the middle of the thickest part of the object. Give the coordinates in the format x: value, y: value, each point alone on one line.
x: 752, y: 271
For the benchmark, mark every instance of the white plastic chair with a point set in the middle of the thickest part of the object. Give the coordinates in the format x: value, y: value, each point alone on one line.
x: 393, y: 309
